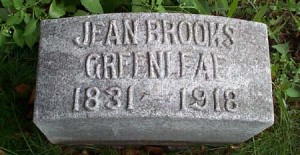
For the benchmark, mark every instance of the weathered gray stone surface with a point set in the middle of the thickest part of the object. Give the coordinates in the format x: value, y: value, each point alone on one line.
x: 153, y: 78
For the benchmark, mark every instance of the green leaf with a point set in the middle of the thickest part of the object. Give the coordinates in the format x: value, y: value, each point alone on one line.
x: 159, y: 6
x: 284, y: 83
x: 274, y: 34
x: 262, y: 11
x: 93, y: 6
x: 160, y: 9
x: 71, y: 8
x: 224, y: 4
x: 18, y: 4
x: 30, y: 27
x: 233, y: 8
x: 45, y: 1
x: 110, y: 6
x: 186, y: 3
x: 55, y: 10
x: 27, y: 18
x: 6, y: 32
x: 282, y: 48
x: 292, y: 92
x: 4, y: 13
x: 12, y: 20
x: 202, y: 6
x: 18, y: 37
x: 274, y: 70
x: 80, y: 13
x: 7, y: 3
x: 2, y: 40
x: 139, y: 6
x: 30, y: 40
x: 221, y: 6
x: 37, y: 11
x: 159, y: 2
x: 30, y: 2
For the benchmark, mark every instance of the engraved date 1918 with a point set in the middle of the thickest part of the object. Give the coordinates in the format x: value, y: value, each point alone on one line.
x: 199, y: 100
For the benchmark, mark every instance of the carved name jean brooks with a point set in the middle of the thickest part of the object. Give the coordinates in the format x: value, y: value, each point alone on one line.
x: 153, y: 79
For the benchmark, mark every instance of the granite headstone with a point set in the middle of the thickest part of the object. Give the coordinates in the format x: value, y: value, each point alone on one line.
x: 152, y: 78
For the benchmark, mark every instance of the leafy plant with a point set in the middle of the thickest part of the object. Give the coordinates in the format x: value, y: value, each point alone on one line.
x: 20, y: 19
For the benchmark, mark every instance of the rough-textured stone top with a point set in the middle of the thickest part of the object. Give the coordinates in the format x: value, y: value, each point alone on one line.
x: 153, y: 77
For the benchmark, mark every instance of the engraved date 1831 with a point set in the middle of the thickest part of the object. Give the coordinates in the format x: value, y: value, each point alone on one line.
x: 92, y: 99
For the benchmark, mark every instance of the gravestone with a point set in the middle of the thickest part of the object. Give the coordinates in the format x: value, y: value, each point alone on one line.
x: 152, y: 78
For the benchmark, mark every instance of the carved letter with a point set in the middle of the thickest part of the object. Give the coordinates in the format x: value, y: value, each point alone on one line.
x: 92, y: 66
x: 185, y: 38
x: 86, y: 36
x: 167, y: 63
x: 215, y: 65
x: 215, y: 34
x: 182, y: 62
x: 155, y: 66
x: 135, y: 65
x: 228, y: 31
x: 96, y: 32
x: 202, y: 67
x: 130, y: 34
x: 171, y: 31
x: 122, y: 56
x: 201, y: 34
x: 109, y: 65
x: 113, y: 33
x: 153, y: 30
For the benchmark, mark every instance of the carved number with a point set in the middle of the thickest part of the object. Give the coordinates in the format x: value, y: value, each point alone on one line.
x: 216, y: 100
x: 115, y: 93
x: 229, y: 97
x: 200, y: 100
x: 92, y: 101
x: 200, y: 97
x: 182, y: 99
x: 130, y: 98
x: 76, y: 99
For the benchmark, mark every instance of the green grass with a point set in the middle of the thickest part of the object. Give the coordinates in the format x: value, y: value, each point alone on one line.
x: 18, y: 135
